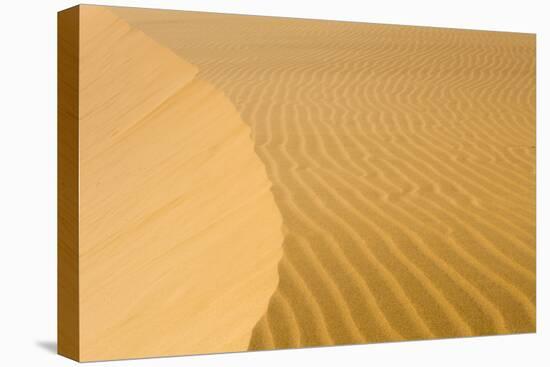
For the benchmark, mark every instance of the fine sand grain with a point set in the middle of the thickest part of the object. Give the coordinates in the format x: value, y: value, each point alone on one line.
x: 402, y: 162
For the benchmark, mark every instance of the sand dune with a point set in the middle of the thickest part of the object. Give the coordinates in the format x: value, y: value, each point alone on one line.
x: 162, y: 206
x: 401, y: 160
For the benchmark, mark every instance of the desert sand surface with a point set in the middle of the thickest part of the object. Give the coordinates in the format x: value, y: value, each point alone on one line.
x: 383, y: 182
x: 402, y: 160
x: 174, y: 254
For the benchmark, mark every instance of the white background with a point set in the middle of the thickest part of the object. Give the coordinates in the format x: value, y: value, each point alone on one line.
x: 28, y: 182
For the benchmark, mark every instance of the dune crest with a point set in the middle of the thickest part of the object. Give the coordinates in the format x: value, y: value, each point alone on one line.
x: 180, y: 236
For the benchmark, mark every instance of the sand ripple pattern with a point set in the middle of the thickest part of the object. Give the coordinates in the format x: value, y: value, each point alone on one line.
x: 402, y: 160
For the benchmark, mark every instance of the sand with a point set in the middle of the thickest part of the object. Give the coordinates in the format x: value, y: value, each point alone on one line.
x: 399, y: 171
x: 174, y: 256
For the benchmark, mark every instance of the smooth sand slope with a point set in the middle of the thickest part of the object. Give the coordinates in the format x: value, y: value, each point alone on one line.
x: 402, y: 160
x: 174, y: 256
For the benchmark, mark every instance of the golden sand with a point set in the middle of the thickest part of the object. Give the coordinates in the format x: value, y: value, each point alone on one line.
x: 174, y: 256
x: 402, y: 162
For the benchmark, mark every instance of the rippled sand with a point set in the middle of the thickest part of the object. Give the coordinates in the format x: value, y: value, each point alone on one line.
x: 402, y: 162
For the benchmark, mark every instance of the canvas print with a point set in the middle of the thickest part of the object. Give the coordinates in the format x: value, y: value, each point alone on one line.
x: 237, y: 183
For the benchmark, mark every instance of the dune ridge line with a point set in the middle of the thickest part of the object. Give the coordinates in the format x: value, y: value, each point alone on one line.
x: 180, y: 236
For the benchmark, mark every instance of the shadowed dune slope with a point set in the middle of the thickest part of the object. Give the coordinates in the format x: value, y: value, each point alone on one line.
x: 402, y: 160
x: 170, y: 191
